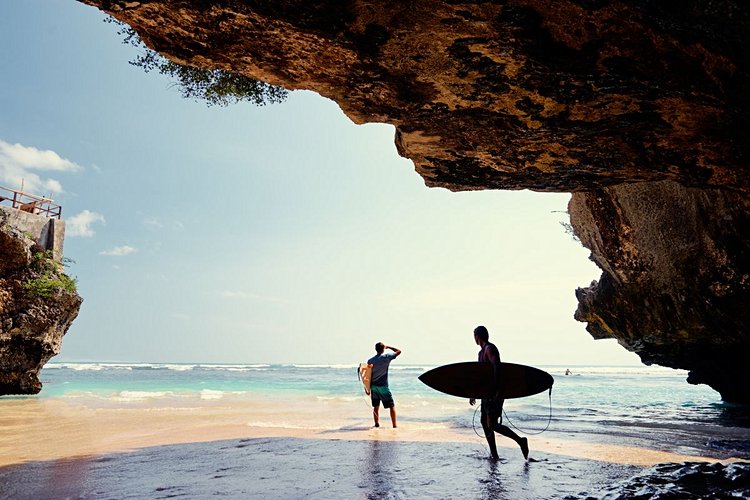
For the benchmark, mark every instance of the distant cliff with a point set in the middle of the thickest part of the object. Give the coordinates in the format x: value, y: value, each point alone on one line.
x: 38, y: 301
x: 641, y: 108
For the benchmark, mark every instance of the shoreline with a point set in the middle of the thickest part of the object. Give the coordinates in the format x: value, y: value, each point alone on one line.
x: 34, y: 430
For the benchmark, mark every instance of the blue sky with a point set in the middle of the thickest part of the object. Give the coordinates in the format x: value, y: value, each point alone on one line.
x: 283, y: 233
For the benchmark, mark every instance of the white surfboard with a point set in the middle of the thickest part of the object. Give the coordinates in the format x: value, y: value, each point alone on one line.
x: 365, y: 373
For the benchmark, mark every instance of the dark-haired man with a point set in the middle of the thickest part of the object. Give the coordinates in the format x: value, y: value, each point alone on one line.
x: 379, y: 391
x: 492, y: 409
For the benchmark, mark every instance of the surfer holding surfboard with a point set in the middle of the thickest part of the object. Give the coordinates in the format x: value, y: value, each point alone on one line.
x: 492, y: 408
x: 379, y: 391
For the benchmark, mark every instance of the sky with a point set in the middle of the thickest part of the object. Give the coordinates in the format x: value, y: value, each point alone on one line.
x: 275, y: 234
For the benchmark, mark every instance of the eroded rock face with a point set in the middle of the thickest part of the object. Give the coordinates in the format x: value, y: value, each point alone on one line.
x: 574, y: 96
x: 31, y: 326
x: 675, y: 286
x: 545, y: 95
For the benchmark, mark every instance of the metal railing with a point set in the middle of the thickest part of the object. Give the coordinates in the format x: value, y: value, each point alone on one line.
x: 30, y: 203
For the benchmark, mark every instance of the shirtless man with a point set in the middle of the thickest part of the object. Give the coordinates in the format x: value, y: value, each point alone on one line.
x: 492, y: 409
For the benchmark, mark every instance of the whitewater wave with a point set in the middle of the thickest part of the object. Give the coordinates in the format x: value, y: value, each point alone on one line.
x: 127, y: 396
x: 337, y: 366
x: 209, y: 394
x: 615, y: 370
x: 179, y: 367
x: 87, y: 366
x: 235, y: 367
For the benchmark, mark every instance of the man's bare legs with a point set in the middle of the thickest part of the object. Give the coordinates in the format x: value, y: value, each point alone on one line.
x: 376, y: 415
x: 489, y: 433
x: 506, y: 431
x: 490, y: 424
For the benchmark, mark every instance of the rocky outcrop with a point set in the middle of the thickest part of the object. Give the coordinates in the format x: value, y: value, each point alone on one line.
x: 37, y: 306
x: 545, y: 95
x: 686, y: 481
x: 675, y: 286
x: 586, y: 96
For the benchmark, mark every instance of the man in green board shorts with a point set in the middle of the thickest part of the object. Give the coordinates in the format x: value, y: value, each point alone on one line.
x: 379, y: 391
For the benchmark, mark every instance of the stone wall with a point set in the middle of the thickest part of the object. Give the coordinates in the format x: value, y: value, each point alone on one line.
x: 48, y: 233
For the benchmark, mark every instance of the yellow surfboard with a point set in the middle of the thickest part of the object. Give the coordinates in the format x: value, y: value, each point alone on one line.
x: 365, y: 373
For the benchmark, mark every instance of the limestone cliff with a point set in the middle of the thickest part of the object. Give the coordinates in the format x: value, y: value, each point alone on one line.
x: 584, y: 96
x: 675, y: 286
x: 37, y: 306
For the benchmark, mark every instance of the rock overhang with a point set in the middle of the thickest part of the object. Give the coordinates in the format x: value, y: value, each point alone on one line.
x: 613, y: 101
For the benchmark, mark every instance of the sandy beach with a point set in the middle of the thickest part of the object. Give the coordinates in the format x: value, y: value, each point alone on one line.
x: 53, y: 429
x: 52, y: 448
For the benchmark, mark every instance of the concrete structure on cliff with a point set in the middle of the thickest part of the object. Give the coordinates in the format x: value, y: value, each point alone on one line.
x: 36, y: 216
x: 639, y: 108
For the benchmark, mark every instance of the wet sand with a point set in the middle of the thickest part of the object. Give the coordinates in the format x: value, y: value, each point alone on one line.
x: 50, y: 429
x: 316, y: 468
x: 53, y: 448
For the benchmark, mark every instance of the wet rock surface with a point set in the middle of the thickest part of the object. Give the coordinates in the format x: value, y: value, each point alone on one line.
x: 689, y: 480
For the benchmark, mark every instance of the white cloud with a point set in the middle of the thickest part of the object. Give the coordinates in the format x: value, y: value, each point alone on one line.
x: 152, y: 223
x: 119, y: 251
x: 80, y: 224
x: 18, y: 163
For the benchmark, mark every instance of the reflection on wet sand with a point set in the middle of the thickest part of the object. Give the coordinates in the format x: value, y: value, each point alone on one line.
x: 378, y: 466
x: 286, y: 467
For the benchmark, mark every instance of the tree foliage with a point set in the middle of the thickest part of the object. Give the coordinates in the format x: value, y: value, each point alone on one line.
x: 49, y: 276
x: 214, y: 86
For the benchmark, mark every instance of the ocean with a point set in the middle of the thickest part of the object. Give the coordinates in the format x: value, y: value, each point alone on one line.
x: 610, y: 408
x: 636, y: 404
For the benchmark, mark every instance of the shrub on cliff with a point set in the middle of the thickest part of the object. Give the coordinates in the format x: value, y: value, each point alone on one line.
x: 50, y: 277
x: 214, y: 86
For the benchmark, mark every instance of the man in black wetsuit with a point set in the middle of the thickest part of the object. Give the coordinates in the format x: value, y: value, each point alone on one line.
x: 492, y: 409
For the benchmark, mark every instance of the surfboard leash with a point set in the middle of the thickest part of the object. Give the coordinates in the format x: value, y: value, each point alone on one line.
x: 474, y: 426
x: 365, y: 397
x: 505, y: 417
x: 549, y: 419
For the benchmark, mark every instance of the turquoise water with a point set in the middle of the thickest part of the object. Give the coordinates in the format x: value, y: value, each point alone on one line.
x: 600, y: 387
x: 639, y: 407
x: 649, y: 406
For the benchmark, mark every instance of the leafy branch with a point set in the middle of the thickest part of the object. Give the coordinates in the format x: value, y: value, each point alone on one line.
x: 214, y: 86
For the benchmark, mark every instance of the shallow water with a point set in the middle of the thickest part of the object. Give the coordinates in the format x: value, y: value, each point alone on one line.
x: 618, y: 410
x: 642, y: 406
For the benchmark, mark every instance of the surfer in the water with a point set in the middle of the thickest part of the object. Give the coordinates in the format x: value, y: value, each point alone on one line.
x: 492, y: 409
x: 379, y: 390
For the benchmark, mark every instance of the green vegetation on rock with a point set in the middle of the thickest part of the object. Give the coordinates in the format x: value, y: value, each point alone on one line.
x: 50, y: 276
x: 214, y: 86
